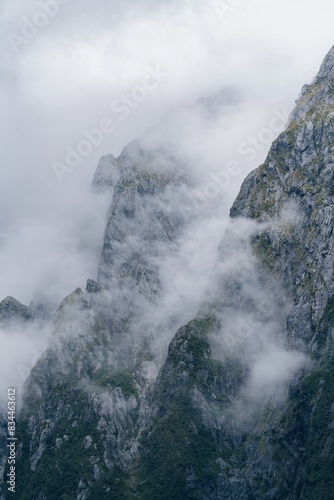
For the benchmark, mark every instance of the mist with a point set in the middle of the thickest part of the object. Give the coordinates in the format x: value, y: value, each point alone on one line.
x: 67, y: 78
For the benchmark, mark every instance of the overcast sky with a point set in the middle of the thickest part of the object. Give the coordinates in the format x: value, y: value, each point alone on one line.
x: 61, y: 78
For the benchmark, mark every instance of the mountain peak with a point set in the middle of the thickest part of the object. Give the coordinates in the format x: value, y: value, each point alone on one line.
x: 12, y: 310
x: 327, y: 68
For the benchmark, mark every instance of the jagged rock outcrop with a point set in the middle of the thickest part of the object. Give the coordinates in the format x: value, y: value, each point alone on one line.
x: 143, y: 223
x: 242, y: 405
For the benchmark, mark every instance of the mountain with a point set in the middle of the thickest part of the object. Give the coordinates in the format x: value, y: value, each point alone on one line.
x: 237, y: 403
x: 12, y: 310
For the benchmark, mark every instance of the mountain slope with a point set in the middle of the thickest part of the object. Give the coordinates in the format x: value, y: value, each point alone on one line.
x: 240, y: 405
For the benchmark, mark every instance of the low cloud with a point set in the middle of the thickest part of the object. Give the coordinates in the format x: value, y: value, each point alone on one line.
x: 65, y: 78
x: 22, y: 345
x: 272, y: 370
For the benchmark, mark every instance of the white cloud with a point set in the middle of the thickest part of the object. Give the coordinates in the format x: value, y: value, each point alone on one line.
x: 89, y: 54
x: 273, y: 368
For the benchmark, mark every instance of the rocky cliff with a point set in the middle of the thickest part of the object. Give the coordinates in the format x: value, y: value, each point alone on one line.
x: 238, y: 403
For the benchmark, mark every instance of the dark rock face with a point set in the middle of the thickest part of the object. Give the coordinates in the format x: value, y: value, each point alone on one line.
x: 241, y: 406
x: 93, y: 286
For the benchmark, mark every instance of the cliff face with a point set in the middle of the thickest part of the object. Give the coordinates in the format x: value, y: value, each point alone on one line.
x: 143, y: 222
x: 296, y: 182
x: 298, y: 176
x: 240, y: 404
